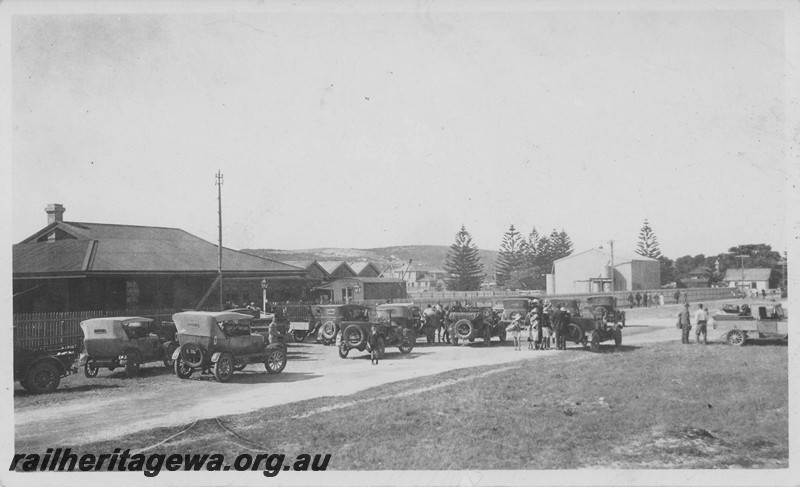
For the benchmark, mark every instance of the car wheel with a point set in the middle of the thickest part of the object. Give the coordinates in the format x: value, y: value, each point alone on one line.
x: 90, y: 371
x: 574, y: 333
x: 736, y: 338
x: 182, y: 369
x: 223, y: 368
x: 192, y: 354
x: 381, y: 348
x: 132, y: 364
x: 594, y: 344
x: 343, y: 350
x: 406, y: 346
x: 276, y: 361
x: 299, y: 336
x: 454, y: 339
x: 42, y: 377
x: 354, y: 336
x: 617, y: 337
x: 168, y: 351
x: 464, y: 329
x: 329, y: 330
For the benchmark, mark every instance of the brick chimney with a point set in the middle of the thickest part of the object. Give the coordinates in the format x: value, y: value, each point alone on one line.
x: 55, y: 213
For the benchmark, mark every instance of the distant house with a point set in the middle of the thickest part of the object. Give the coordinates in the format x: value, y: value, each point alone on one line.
x: 698, y: 278
x: 337, y: 269
x: 418, y: 278
x: 365, y: 269
x: 591, y: 271
x: 755, y: 278
x: 69, y: 266
x: 364, y: 288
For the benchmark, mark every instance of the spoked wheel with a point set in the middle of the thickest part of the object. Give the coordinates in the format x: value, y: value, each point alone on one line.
x: 406, y: 346
x: 276, y: 361
x: 381, y: 348
x: 132, y: 364
x: 182, y: 369
x: 42, y: 377
x: 736, y: 338
x: 223, y: 368
x: 192, y: 354
x: 90, y: 371
x: 594, y: 344
x: 343, y: 350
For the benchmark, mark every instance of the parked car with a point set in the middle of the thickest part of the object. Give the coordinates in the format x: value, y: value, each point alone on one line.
x: 605, y: 307
x: 221, y: 343
x: 40, y: 370
x: 467, y: 324
x: 355, y: 335
x: 261, y: 322
x: 406, y: 315
x: 770, y: 322
x: 122, y: 341
x: 590, y: 330
x: 512, y: 306
x: 328, y: 317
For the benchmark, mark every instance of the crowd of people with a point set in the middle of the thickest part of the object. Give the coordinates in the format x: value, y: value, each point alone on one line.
x: 547, y: 326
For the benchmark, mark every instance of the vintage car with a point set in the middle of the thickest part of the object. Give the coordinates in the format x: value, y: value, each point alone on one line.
x: 261, y: 322
x: 514, y: 306
x: 327, y: 318
x: 40, y: 370
x: 355, y: 335
x: 605, y: 307
x: 467, y: 324
x: 224, y: 342
x: 404, y: 315
x: 297, y: 319
x: 769, y: 323
x: 587, y: 329
x: 122, y: 341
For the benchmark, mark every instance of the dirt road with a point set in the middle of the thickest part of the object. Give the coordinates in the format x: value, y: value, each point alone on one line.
x: 110, y: 406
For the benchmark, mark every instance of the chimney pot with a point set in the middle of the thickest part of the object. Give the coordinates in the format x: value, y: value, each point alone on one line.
x: 55, y: 213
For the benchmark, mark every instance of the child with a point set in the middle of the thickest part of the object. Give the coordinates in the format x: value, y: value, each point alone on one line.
x: 374, y: 343
x: 515, y: 328
x: 534, y: 330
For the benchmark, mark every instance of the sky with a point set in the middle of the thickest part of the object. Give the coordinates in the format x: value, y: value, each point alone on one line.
x: 380, y: 124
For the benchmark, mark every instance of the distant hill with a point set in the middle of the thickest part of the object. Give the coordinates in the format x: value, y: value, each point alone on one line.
x: 421, y: 255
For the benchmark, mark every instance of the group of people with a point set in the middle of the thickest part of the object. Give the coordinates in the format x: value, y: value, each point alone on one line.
x: 685, y: 323
x: 646, y: 299
x: 546, y: 325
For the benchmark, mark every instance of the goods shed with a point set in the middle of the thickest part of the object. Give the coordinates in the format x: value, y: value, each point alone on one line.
x: 591, y: 272
x: 364, y: 288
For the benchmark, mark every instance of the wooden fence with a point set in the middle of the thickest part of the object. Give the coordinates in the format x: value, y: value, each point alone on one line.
x: 62, y: 329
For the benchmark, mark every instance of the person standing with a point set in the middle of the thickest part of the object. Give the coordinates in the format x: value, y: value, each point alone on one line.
x: 516, y: 329
x: 677, y: 296
x: 685, y: 324
x: 534, y: 329
x: 638, y: 299
x: 685, y: 298
x: 645, y: 298
x: 630, y: 299
x: 701, y: 318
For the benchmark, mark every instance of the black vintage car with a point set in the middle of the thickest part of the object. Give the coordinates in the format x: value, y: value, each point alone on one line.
x: 390, y: 333
x: 605, y: 307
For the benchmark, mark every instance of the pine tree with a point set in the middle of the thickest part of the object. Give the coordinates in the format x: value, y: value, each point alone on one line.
x: 463, y: 263
x: 562, y: 244
x: 648, y: 242
x: 511, y: 256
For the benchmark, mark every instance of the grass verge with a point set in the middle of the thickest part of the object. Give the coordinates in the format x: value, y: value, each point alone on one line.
x: 662, y: 406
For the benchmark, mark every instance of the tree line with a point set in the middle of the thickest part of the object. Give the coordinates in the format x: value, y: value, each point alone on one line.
x: 524, y: 260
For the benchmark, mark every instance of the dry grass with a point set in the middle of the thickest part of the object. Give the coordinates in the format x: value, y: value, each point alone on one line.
x: 660, y: 406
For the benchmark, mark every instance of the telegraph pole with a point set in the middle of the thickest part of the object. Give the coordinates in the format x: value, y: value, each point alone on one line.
x: 218, y: 183
x: 611, y: 242
x: 741, y: 284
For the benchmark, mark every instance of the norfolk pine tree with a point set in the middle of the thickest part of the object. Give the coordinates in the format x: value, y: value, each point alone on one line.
x: 648, y: 242
x: 463, y: 264
x: 511, y: 256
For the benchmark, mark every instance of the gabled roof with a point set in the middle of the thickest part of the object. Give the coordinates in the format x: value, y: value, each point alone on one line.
x: 308, y: 264
x: 332, y: 266
x: 700, y: 271
x: 749, y: 275
x: 359, y: 267
x: 97, y: 247
x: 620, y: 256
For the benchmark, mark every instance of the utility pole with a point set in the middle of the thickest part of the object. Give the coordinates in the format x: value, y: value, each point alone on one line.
x: 611, y: 242
x: 218, y: 183
x: 741, y: 284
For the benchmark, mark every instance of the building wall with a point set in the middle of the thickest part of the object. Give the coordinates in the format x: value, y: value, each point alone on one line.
x: 572, y: 275
x: 645, y: 274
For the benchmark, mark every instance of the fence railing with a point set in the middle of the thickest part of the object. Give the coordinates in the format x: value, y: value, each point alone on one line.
x: 62, y: 329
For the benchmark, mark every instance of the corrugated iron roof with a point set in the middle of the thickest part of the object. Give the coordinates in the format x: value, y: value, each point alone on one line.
x: 620, y: 256
x: 127, y: 248
x: 749, y: 274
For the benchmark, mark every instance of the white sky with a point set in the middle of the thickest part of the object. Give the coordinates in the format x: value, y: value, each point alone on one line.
x: 367, y: 127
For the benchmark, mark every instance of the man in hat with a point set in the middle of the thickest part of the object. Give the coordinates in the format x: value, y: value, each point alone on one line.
x: 684, y: 323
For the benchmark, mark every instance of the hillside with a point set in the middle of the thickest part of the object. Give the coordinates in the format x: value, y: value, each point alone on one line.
x: 422, y: 255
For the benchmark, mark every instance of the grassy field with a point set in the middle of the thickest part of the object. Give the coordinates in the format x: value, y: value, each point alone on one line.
x: 661, y: 406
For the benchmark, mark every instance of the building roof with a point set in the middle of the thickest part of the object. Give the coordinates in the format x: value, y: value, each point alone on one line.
x: 358, y: 267
x: 332, y: 266
x: 700, y: 271
x: 81, y: 248
x: 620, y: 256
x: 749, y: 275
